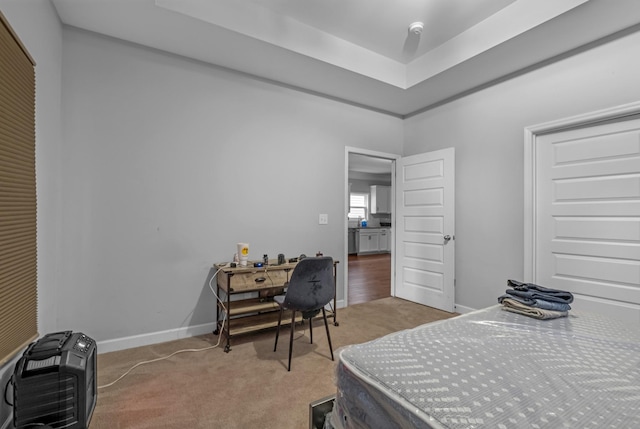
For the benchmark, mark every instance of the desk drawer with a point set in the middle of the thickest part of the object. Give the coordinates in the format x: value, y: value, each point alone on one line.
x: 253, y: 280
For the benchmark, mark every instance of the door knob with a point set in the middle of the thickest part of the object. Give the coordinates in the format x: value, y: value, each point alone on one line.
x: 447, y: 238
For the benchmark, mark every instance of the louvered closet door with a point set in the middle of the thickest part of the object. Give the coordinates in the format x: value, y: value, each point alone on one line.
x: 588, y: 220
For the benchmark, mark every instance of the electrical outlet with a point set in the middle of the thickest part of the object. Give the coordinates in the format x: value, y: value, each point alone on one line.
x: 323, y: 219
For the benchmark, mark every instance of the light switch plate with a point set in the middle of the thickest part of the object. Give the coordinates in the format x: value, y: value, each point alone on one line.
x: 323, y: 219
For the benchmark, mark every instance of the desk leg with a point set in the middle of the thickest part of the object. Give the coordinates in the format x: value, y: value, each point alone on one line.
x: 218, y: 309
x: 220, y: 329
x: 227, y: 348
x: 335, y: 305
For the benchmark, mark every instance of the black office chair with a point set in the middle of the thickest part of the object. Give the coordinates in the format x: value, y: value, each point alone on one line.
x: 310, y: 288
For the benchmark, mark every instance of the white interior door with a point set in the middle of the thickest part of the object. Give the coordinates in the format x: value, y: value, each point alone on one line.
x: 587, y: 226
x: 425, y: 246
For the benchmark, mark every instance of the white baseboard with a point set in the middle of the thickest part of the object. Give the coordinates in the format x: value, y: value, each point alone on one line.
x: 161, y: 337
x: 154, y: 338
x: 462, y: 309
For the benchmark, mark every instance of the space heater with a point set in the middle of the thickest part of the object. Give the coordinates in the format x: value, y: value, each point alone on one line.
x: 54, y: 382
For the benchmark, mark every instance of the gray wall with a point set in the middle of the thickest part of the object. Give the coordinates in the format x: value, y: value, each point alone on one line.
x: 151, y: 167
x: 364, y: 185
x: 168, y: 163
x: 487, y: 131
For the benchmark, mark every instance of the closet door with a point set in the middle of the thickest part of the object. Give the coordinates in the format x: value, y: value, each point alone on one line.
x: 588, y: 215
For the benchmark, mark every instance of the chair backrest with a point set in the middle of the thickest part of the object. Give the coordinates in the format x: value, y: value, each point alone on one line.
x: 312, y: 285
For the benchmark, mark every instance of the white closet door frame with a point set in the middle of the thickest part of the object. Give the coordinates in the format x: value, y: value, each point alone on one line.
x: 530, y: 140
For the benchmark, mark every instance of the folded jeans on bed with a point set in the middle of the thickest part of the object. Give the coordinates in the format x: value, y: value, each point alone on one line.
x: 531, y: 290
x: 538, y: 313
x: 527, y: 299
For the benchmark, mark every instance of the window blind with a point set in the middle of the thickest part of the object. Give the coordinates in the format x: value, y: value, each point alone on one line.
x: 358, y: 204
x: 18, y: 270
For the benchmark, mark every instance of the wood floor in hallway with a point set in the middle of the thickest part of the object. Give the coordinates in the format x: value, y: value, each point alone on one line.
x: 369, y: 277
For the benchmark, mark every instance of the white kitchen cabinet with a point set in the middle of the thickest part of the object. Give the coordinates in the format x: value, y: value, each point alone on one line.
x: 369, y: 241
x: 384, y: 242
x: 376, y: 240
x: 380, y: 199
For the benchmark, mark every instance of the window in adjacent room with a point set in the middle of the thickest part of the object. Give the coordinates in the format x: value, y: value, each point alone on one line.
x: 358, y: 205
x: 18, y: 271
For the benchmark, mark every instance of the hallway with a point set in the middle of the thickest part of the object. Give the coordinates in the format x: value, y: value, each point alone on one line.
x: 369, y: 277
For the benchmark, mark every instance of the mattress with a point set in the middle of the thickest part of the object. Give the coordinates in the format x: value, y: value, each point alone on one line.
x: 497, y: 369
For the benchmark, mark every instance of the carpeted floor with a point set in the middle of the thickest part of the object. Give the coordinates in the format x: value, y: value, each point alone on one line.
x: 249, y: 387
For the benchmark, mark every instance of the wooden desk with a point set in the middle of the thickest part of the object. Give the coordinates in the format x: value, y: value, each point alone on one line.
x: 259, y: 311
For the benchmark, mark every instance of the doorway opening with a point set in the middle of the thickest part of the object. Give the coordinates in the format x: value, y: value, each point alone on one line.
x: 369, y: 277
x: 369, y: 194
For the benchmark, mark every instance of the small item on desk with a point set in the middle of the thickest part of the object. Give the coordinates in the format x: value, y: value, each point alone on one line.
x: 280, y: 258
x: 292, y: 260
x: 318, y: 254
x: 257, y: 264
x: 233, y: 265
x: 243, y: 253
x: 265, y: 259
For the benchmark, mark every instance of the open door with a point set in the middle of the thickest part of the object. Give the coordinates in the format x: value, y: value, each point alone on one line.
x: 424, y: 225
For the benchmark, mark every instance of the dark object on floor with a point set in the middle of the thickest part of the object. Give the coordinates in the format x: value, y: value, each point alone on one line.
x: 54, y: 382
x: 319, y: 411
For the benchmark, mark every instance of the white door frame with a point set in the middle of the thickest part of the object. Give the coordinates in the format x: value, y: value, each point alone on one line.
x: 530, y: 147
x: 384, y: 155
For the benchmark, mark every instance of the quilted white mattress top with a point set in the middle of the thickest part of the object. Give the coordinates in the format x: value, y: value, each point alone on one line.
x: 493, y: 368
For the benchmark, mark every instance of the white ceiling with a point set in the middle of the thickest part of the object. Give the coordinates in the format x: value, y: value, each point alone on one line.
x: 360, y: 51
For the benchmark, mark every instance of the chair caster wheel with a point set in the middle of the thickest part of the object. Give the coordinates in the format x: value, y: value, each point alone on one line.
x: 336, y: 323
x: 227, y: 348
x: 216, y: 332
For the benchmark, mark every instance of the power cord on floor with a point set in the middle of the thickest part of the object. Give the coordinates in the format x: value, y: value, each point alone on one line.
x: 224, y: 319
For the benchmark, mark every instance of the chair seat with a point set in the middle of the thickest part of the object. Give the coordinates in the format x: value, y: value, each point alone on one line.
x: 307, y: 314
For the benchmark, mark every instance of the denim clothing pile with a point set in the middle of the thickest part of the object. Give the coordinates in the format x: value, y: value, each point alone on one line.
x: 536, y: 301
